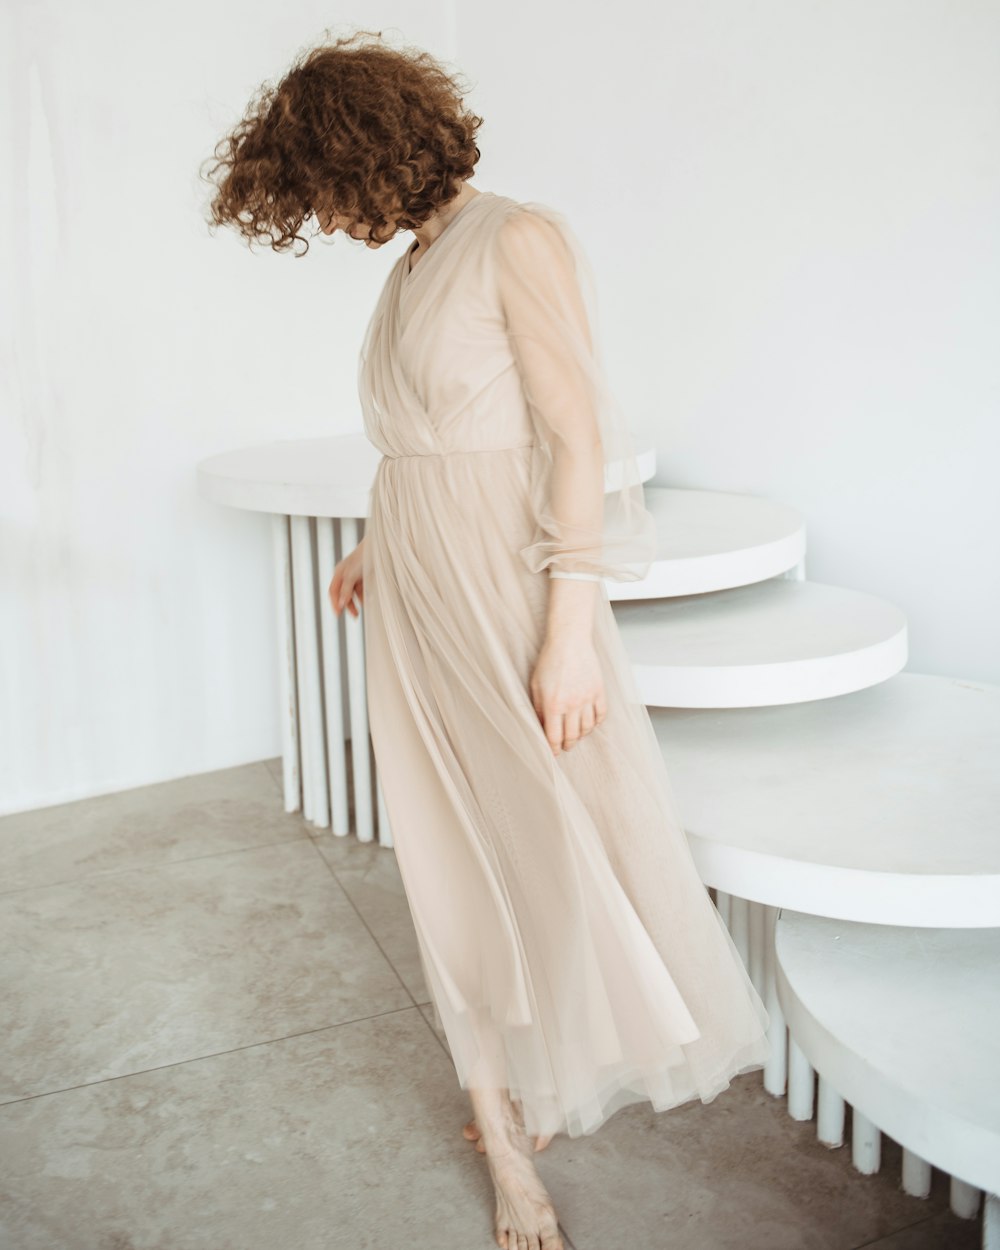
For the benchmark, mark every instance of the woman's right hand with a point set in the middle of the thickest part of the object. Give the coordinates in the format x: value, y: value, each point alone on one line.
x: 348, y: 581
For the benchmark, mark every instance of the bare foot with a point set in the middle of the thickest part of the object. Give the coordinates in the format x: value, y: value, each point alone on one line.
x: 471, y: 1131
x: 525, y: 1218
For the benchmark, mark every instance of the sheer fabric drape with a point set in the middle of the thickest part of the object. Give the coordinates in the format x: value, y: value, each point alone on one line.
x: 547, y: 292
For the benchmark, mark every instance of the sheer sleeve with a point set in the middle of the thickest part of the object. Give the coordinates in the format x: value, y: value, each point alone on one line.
x: 586, y: 490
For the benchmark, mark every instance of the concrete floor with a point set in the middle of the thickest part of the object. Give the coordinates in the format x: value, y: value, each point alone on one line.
x: 217, y: 1037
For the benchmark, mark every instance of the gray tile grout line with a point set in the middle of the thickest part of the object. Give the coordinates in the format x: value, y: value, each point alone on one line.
x: 186, y: 859
x: 340, y: 885
x: 565, y: 1236
x: 279, y: 784
x: 313, y: 837
x: 305, y: 837
x: 215, y: 1054
x: 905, y: 1228
x: 135, y: 789
x: 155, y: 865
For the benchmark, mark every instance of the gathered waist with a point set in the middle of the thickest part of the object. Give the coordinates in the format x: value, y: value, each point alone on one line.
x: 470, y: 451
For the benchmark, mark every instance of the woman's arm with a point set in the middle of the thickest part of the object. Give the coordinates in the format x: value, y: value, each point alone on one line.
x: 550, y: 339
x: 577, y: 501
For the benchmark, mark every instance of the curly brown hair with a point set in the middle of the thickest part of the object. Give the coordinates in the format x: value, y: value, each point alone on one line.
x: 356, y: 128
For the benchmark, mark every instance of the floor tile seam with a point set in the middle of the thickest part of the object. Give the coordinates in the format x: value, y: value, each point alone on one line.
x: 357, y: 911
x: 905, y: 1228
x: 102, y: 874
x: 279, y: 784
x: 215, y: 1054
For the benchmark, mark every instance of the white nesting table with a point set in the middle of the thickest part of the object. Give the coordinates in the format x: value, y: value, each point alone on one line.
x: 880, y: 805
x: 904, y: 1023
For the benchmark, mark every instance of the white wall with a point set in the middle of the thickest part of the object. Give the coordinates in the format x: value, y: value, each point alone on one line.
x: 792, y: 214
x: 138, y: 627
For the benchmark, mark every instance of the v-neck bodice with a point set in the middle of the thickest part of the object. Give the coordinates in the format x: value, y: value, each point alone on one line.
x: 437, y: 372
x: 409, y: 270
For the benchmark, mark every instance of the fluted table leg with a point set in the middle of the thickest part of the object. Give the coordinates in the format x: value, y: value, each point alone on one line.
x: 358, y: 700
x: 964, y: 1198
x: 314, y: 788
x: 776, y: 1065
x: 287, y: 692
x: 801, y: 1083
x: 866, y: 1143
x: 991, y: 1223
x: 331, y: 628
x: 829, y: 1114
x: 916, y: 1175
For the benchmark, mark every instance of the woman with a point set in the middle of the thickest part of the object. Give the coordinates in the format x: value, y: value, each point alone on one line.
x: 574, y: 958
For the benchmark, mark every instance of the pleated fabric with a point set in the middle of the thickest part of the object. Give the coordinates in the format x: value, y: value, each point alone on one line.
x: 570, y: 949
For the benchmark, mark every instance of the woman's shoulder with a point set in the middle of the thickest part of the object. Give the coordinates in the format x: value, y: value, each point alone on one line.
x: 508, y: 206
x: 528, y: 222
x: 531, y: 230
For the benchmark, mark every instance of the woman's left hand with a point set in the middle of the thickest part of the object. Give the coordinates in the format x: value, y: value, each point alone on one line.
x: 567, y: 690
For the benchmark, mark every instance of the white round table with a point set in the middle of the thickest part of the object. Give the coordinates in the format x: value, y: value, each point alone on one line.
x: 904, y: 1023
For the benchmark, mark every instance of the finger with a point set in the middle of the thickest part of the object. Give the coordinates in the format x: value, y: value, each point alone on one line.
x: 571, y: 729
x: 601, y: 707
x: 588, y: 718
x: 536, y: 703
x: 554, y: 731
x: 539, y: 703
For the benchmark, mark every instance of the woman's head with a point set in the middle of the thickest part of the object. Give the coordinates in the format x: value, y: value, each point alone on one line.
x: 372, y: 138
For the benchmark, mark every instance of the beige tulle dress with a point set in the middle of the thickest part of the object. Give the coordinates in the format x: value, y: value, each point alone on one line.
x: 572, y: 953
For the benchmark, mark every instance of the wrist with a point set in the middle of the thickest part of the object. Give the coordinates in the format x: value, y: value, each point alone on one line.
x: 571, y: 611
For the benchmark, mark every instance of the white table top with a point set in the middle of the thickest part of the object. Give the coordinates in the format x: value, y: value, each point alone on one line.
x: 327, y: 477
x: 712, y: 540
x: 878, y: 806
x: 904, y: 1024
x: 780, y: 641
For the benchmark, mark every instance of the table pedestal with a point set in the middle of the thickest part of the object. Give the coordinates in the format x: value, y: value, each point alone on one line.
x: 321, y: 657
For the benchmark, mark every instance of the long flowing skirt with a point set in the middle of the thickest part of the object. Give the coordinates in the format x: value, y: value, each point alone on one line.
x: 570, y: 949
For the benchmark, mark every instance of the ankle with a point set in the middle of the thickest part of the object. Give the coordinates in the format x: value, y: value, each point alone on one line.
x: 500, y: 1131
